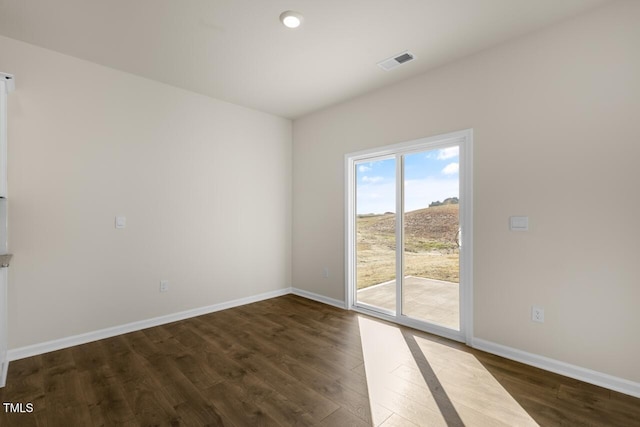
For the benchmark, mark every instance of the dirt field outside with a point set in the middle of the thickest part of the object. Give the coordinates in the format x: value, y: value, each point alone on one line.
x: 430, y: 248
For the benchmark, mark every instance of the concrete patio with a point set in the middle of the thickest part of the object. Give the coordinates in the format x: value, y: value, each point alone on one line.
x: 430, y: 300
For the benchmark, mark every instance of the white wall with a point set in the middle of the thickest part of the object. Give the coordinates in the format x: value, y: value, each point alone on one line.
x: 556, y: 119
x: 205, y: 186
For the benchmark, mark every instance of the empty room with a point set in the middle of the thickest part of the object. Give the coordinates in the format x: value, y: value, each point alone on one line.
x: 324, y: 213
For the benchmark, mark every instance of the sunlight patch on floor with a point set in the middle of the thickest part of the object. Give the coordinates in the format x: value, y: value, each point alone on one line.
x: 416, y: 381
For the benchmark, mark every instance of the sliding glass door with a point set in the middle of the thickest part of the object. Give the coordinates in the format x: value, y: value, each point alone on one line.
x: 430, y: 219
x: 405, y: 217
x: 376, y: 234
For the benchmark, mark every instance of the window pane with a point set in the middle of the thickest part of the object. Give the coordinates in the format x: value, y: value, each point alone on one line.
x: 375, y: 228
x: 431, y: 222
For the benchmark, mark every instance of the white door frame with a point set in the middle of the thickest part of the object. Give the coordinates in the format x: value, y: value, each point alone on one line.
x: 464, y: 139
x: 7, y: 84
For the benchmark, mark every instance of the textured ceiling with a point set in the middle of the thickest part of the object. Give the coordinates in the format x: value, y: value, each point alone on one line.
x: 237, y: 50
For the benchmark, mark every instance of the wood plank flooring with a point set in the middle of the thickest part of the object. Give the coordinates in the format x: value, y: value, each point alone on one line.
x: 293, y: 362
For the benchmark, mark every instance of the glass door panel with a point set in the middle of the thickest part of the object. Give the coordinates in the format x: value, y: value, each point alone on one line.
x: 431, y: 255
x: 376, y: 234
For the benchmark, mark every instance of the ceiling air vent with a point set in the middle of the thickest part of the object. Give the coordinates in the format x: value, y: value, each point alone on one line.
x: 396, y: 60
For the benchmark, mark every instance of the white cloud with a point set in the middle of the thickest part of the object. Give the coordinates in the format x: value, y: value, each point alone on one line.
x: 448, y: 153
x: 451, y: 169
x: 364, y: 168
x: 372, y: 179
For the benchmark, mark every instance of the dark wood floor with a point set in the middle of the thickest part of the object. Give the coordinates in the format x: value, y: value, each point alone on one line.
x: 291, y: 361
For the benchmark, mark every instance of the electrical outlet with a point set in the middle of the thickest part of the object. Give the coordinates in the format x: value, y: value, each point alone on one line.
x: 325, y: 272
x: 537, y: 314
x: 164, y: 285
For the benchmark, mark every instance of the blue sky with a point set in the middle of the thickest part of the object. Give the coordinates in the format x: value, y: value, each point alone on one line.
x: 429, y: 176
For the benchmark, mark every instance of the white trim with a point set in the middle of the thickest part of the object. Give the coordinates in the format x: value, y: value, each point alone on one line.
x: 317, y: 297
x: 593, y: 377
x: 7, y: 85
x: 568, y: 370
x: 466, y: 236
x: 4, y: 323
x: 9, y: 82
x: 5, y: 370
x: 58, y: 344
x: 400, y: 213
x: 415, y: 145
x: 349, y: 226
x: 3, y: 138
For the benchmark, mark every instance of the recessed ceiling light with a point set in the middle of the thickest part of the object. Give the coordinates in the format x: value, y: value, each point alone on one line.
x: 291, y: 19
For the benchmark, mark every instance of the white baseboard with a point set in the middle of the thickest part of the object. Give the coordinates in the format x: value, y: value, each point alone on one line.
x: 58, y: 344
x: 3, y: 373
x: 593, y: 377
x: 572, y: 371
x: 318, y: 297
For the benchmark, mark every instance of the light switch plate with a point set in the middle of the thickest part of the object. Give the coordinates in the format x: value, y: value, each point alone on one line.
x: 519, y: 223
x: 121, y: 222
